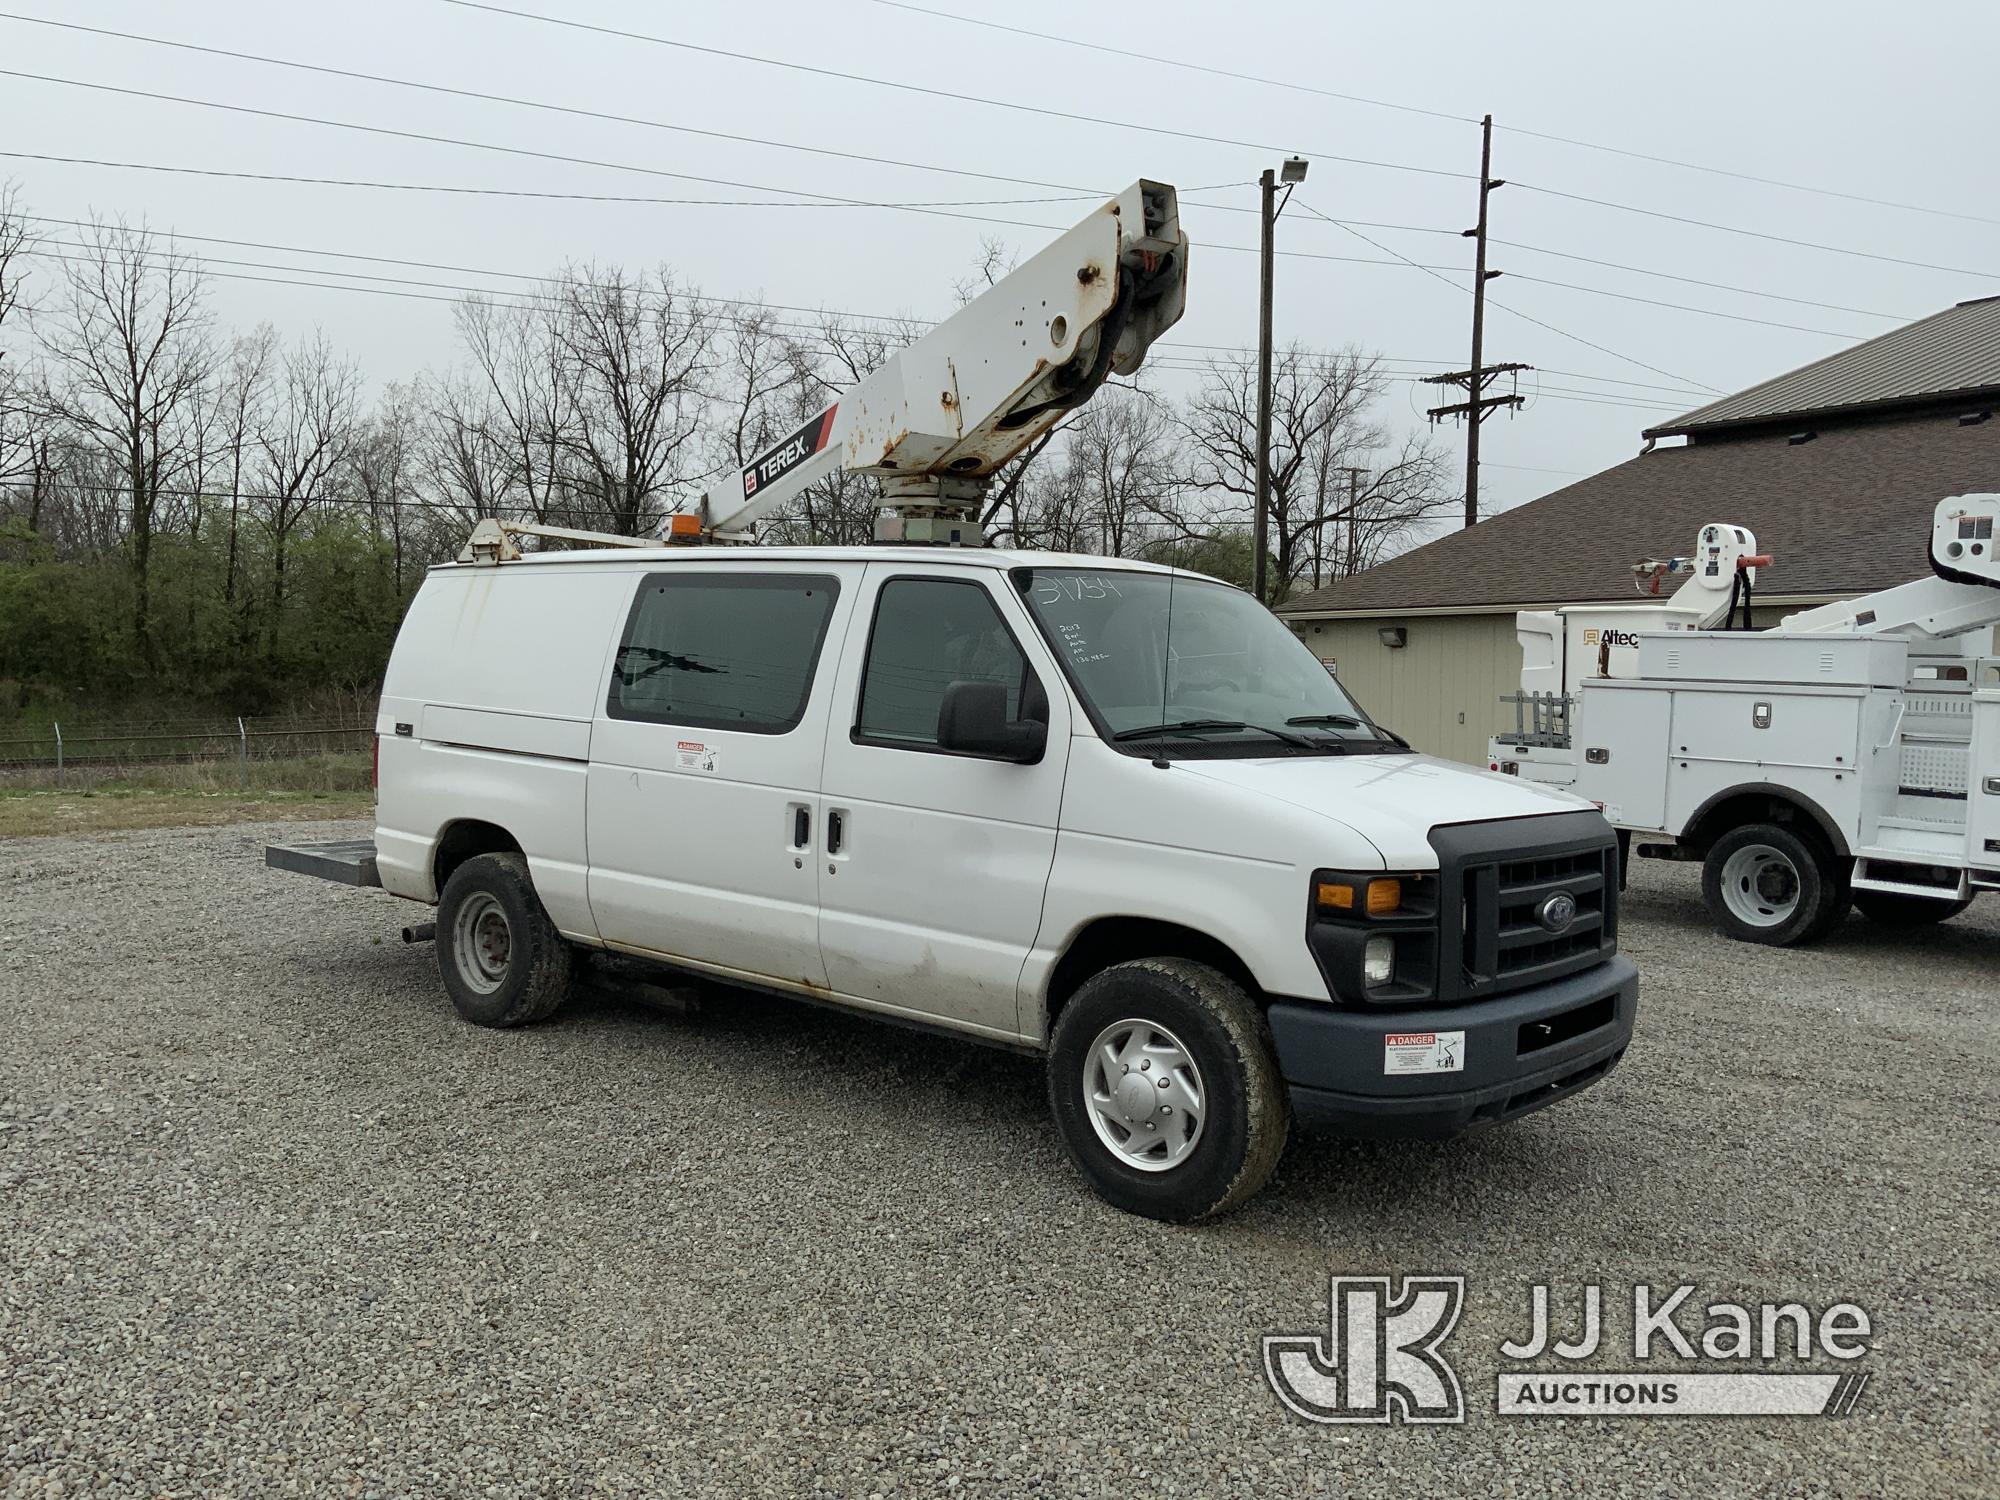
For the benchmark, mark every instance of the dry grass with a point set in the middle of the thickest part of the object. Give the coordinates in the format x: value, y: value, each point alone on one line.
x: 194, y: 796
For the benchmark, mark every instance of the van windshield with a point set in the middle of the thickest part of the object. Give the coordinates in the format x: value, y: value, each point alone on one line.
x: 1166, y: 659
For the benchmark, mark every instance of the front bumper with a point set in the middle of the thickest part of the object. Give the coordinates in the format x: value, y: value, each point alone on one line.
x: 1521, y: 1052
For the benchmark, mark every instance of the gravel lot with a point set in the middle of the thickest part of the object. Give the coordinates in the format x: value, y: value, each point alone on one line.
x: 276, y: 1222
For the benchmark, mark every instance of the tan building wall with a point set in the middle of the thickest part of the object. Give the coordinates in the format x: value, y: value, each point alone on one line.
x: 1441, y: 690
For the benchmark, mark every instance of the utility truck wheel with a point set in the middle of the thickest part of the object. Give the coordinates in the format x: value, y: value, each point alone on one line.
x: 1164, y: 1083
x: 1893, y: 910
x: 501, y: 958
x: 1766, y: 884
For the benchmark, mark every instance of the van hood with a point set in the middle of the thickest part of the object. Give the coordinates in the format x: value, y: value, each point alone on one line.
x: 1393, y: 801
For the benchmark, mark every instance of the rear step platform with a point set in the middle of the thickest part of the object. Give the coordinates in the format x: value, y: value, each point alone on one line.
x: 348, y: 862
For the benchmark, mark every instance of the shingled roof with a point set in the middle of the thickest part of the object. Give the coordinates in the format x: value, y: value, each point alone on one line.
x: 1844, y: 513
x: 1954, y: 354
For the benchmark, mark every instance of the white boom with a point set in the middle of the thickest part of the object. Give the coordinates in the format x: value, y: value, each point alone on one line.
x: 1963, y: 596
x: 939, y: 418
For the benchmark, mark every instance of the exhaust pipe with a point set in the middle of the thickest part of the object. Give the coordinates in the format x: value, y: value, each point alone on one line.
x: 423, y: 932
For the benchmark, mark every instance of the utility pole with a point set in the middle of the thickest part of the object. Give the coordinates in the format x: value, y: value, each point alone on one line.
x: 1347, y: 567
x: 1260, y: 528
x: 1475, y: 379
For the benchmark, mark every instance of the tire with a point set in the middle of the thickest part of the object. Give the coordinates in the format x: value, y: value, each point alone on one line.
x: 1150, y: 1011
x: 1765, y: 884
x: 502, y: 961
x: 1892, y: 910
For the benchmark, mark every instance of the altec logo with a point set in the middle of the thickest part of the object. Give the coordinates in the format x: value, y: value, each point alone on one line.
x: 1609, y: 637
x: 789, y: 454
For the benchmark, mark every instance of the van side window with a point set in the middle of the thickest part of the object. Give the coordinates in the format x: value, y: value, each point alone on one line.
x: 722, y: 650
x: 929, y: 633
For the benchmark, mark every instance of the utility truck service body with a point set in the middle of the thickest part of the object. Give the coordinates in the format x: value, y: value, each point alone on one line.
x: 1095, y: 809
x: 1849, y: 755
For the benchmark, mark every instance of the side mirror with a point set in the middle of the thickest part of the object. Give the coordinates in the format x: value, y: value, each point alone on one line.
x: 973, y: 720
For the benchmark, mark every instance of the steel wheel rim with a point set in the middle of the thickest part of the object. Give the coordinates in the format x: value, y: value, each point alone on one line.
x: 1144, y: 1095
x: 1761, y: 886
x: 482, y: 942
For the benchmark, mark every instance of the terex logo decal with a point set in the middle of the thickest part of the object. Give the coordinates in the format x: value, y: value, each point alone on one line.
x: 789, y: 454
x: 1610, y: 638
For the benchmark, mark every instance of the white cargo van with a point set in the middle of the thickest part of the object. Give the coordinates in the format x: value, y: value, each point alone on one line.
x: 1111, y: 813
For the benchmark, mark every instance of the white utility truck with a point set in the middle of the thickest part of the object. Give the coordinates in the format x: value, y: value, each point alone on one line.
x: 1089, y: 808
x: 1849, y: 755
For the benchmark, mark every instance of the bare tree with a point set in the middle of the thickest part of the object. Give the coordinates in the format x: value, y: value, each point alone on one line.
x: 240, y: 400
x: 634, y: 354
x: 129, y: 356
x: 527, y: 412
x: 1120, y: 451
x: 1319, y: 429
x: 462, y: 463
x: 379, y: 467
x: 302, y: 443
x: 23, y: 448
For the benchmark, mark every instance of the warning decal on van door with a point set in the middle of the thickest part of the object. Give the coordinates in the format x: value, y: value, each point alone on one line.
x: 693, y: 755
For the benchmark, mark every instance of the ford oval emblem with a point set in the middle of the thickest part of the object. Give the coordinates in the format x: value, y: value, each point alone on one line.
x: 1557, y: 912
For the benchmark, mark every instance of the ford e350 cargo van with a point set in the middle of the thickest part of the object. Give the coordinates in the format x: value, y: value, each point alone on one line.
x: 1111, y: 813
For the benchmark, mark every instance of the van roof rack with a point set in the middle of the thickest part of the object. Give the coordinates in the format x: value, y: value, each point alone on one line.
x: 492, y: 540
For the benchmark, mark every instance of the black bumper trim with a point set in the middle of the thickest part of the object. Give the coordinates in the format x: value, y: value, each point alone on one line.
x: 1332, y: 1059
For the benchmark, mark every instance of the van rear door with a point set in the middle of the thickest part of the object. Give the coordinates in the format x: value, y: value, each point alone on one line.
x: 704, y: 806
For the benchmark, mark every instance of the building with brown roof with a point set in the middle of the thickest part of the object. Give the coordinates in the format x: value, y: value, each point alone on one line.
x: 1835, y: 466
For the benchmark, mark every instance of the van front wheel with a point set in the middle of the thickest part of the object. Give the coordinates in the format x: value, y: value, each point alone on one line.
x: 1164, y: 1083
x: 502, y: 961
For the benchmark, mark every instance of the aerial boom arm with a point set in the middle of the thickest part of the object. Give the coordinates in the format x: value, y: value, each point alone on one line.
x: 940, y: 417
x: 1961, y: 597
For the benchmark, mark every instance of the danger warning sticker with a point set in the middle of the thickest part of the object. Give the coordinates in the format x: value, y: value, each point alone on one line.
x: 693, y: 755
x: 1423, y: 1052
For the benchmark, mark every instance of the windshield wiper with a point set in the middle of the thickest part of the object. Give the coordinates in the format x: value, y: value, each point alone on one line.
x: 1196, y: 726
x: 1377, y: 735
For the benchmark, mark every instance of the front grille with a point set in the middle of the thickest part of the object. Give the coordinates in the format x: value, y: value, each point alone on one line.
x: 1503, y: 873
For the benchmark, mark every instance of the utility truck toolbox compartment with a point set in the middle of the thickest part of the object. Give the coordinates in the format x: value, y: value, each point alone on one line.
x: 1740, y: 656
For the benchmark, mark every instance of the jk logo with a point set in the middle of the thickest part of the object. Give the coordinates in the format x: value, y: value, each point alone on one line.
x: 1382, y: 1362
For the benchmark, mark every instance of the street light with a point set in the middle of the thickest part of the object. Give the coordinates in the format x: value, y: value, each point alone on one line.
x: 1294, y: 173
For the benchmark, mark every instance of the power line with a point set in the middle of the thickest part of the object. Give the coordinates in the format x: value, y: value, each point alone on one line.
x: 1180, y: 363
x: 1437, y: 114
x: 1720, y: 286
x: 935, y: 93
x: 564, y: 109
x: 566, y: 280
x: 833, y: 198
x: 1755, y: 234
x: 1573, y: 337
x: 1172, y: 62
x: 1706, y: 312
x: 943, y: 204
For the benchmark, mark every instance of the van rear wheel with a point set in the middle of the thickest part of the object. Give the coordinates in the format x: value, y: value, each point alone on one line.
x: 1165, y: 1085
x: 502, y: 961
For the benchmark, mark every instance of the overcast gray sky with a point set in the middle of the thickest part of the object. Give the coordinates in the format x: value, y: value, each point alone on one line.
x: 1879, y: 102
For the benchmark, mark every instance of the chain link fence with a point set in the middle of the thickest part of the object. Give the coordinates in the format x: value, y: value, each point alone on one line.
x: 84, y: 753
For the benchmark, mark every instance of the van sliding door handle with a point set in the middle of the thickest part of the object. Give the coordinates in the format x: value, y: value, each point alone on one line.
x: 834, y: 828
x: 801, y: 828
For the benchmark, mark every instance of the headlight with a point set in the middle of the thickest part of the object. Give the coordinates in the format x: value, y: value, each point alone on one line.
x: 1378, y: 960
x: 1374, y: 934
